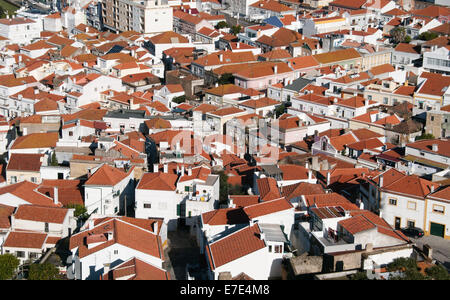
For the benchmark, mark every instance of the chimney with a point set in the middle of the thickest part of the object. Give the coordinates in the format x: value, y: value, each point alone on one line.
x: 90, y: 224
x: 221, y: 57
x: 237, y: 45
x: 307, y: 165
x: 366, y: 103
x: 369, y: 247
x: 435, y: 147
x: 328, y: 178
x: 182, y: 170
x: 189, y: 171
x: 232, y: 204
x: 155, y: 168
x: 432, y: 188
x: 155, y: 227
x: 106, y: 268
x: 262, y: 236
x: 55, y: 195
x: 361, y: 205
x: 275, y: 69
x: 309, y: 174
x: 166, y: 168
x: 381, y: 181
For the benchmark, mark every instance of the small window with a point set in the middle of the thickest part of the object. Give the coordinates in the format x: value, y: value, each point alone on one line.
x: 46, y: 227
x: 20, y: 254
x: 393, y: 201
x: 438, y: 209
x: 411, y: 223
x: 70, y: 133
x: 411, y: 205
x: 147, y: 205
x: 116, y: 252
x: 278, y: 249
x: 13, y: 179
x: 270, y: 248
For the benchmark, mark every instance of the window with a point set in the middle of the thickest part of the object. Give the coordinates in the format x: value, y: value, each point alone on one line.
x: 46, y: 227
x: 33, y: 179
x: 393, y: 201
x: 438, y: 209
x: 270, y: 248
x: 147, y: 205
x: 70, y: 133
x: 411, y: 223
x: 116, y: 252
x: 186, y: 188
x: 278, y: 249
x: 20, y: 253
x: 13, y: 179
x: 411, y: 205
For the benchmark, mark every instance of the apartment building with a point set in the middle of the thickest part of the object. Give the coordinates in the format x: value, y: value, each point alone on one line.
x: 140, y: 16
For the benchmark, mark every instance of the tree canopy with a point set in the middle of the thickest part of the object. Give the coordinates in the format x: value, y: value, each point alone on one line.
x: 8, y: 264
x: 45, y: 271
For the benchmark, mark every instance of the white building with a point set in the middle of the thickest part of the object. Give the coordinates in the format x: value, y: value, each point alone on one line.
x: 110, y: 242
x: 157, y: 197
x: 109, y: 190
x: 20, y: 30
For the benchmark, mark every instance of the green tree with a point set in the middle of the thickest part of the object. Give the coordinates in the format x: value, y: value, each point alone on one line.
x: 407, y: 39
x: 280, y: 109
x: 425, y: 136
x: 427, y: 36
x: 222, y: 24
x: 223, y: 192
x: 398, y: 34
x: 54, y: 161
x: 235, y: 29
x: 226, y: 78
x: 80, y: 210
x: 2, y: 13
x: 438, y: 272
x: 8, y: 264
x: 45, y: 271
x: 179, y: 99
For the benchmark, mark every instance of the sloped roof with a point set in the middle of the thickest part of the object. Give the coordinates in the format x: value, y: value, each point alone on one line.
x: 106, y: 175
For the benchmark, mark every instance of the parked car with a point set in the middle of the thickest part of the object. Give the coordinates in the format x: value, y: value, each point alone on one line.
x: 413, y: 232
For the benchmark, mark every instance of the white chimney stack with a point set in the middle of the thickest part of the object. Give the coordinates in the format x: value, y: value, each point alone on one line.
x: 189, y: 171
x: 155, y: 227
x: 328, y: 178
x: 309, y: 174
x: 435, y: 147
x: 166, y: 168
x: 155, y: 168
x: 381, y: 180
x: 55, y: 195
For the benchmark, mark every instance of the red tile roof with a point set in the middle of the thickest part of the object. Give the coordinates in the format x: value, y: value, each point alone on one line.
x: 136, y: 269
x: 124, y: 233
x: 25, y: 162
x: 41, y: 213
x: 267, y: 207
x: 28, y: 240
x: 268, y: 189
x: 107, y: 175
x: 158, y: 181
x: 27, y: 191
x: 235, y: 245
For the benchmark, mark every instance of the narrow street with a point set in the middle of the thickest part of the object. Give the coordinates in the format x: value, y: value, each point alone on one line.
x: 182, y: 250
